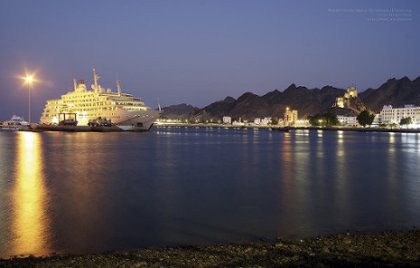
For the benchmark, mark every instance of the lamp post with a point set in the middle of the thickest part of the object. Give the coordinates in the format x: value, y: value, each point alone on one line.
x: 29, y: 80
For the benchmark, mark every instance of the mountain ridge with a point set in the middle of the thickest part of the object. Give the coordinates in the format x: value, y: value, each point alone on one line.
x: 249, y: 105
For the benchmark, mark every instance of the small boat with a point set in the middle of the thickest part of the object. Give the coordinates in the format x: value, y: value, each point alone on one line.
x: 285, y: 129
x: 16, y: 123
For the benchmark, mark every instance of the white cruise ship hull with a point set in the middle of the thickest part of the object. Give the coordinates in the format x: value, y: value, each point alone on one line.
x: 135, y: 120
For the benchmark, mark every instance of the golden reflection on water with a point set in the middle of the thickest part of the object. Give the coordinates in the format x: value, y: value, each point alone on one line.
x: 391, y: 147
x: 288, y: 183
x: 342, y: 179
x: 340, y: 151
x: 319, y: 133
x: 29, y: 220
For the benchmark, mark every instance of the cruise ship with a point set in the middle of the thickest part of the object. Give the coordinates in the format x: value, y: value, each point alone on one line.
x: 123, y: 110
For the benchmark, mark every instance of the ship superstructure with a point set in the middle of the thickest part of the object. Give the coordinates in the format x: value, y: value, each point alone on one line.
x: 124, y: 110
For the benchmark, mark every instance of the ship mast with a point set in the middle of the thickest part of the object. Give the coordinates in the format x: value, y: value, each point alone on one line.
x: 95, y: 78
x: 119, y: 88
x: 74, y: 84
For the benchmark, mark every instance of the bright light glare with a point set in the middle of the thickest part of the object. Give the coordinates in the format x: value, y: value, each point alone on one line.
x: 28, y: 78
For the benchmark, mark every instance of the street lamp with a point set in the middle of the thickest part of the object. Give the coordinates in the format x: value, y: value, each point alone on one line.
x: 29, y: 80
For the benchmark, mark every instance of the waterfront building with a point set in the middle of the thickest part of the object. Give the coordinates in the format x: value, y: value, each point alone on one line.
x: 265, y: 121
x: 238, y: 123
x: 262, y: 121
x: 227, y: 120
x: 343, y: 102
x: 290, y: 117
x: 391, y: 115
x: 347, y: 120
x: 377, y: 120
x: 299, y: 123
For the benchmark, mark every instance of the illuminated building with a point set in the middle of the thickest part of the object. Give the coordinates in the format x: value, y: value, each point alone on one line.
x: 122, y: 109
x: 351, y: 93
x: 343, y: 102
x: 290, y: 117
x: 227, y: 120
x: 347, y: 120
x: 339, y: 102
x: 390, y: 115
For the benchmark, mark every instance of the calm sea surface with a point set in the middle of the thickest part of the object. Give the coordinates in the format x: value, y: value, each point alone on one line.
x: 93, y: 192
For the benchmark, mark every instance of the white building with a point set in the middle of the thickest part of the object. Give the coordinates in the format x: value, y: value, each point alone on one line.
x: 265, y: 121
x: 227, y: 120
x: 390, y: 115
x: 347, y: 120
x: 238, y: 123
x: 257, y: 121
x: 377, y: 121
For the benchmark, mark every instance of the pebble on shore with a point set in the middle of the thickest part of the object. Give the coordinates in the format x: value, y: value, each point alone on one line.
x: 383, y: 249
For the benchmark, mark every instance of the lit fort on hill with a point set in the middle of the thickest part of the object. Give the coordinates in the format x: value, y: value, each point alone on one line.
x: 124, y: 110
x: 344, y: 102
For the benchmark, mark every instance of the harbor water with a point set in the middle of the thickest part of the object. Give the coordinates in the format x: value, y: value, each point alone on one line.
x: 94, y: 192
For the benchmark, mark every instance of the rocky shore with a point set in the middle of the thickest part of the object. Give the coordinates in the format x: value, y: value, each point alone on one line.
x: 338, y: 250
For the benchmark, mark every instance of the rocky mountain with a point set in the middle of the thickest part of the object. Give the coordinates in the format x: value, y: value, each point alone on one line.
x: 248, y: 106
x: 396, y: 92
x: 180, y: 111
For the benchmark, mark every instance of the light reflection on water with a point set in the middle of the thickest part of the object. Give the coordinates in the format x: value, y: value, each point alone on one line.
x: 29, y: 197
x: 92, y: 192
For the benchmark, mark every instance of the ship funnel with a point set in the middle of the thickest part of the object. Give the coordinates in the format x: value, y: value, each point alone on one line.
x: 74, y: 84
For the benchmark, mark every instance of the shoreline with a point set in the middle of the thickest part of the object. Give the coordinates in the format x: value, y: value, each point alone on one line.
x: 389, y: 248
x: 213, y: 125
x: 354, y: 129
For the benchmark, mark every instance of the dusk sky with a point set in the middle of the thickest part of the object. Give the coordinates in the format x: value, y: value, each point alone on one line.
x: 198, y: 52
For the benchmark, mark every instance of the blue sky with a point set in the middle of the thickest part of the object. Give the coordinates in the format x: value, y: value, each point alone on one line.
x: 197, y: 52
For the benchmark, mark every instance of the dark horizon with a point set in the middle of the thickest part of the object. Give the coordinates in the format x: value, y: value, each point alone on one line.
x: 198, y: 52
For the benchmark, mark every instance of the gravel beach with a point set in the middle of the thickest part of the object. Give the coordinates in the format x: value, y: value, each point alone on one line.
x: 389, y: 248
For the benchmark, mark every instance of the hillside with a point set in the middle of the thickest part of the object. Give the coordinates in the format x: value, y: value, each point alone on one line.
x: 396, y: 92
x: 180, y: 111
x: 249, y: 105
